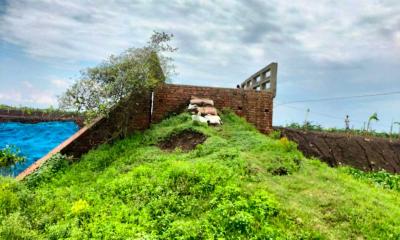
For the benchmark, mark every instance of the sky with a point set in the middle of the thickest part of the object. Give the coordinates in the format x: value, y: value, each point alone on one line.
x: 323, y: 49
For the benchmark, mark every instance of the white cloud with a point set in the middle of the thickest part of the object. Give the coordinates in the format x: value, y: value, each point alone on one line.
x: 80, y: 30
x: 60, y: 83
x: 397, y: 39
x: 28, y: 95
x: 9, y: 96
x: 323, y: 47
x: 343, y: 31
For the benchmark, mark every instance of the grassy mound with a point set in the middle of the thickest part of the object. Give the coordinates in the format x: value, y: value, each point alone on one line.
x: 238, y: 184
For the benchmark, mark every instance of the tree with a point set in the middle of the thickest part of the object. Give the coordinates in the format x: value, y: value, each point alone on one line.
x: 373, y: 117
x: 101, y: 87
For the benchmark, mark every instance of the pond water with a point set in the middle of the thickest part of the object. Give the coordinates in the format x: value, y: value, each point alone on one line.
x: 33, y: 140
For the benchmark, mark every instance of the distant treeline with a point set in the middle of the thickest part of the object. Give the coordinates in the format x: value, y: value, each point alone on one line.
x: 21, y: 110
x: 363, y: 132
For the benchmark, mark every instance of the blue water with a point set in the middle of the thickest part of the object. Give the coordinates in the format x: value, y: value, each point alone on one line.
x: 33, y: 140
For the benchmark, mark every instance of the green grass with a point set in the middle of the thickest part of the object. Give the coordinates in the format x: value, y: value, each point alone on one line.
x: 233, y: 186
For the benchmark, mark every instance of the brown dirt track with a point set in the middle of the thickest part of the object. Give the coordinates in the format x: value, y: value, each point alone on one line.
x: 365, y: 153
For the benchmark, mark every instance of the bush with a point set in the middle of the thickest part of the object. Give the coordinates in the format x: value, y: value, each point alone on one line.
x: 381, y: 179
x: 275, y: 134
x: 52, y: 166
x: 9, y: 199
x: 9, y: 156
x: 287, y: 145
x: 236, y: 213
x: 80, y: 207
x: 13, y: 196
x: 15, y: 226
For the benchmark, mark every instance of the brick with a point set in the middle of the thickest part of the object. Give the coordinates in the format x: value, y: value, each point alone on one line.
x: 134, y: 115
x: 250, y: 104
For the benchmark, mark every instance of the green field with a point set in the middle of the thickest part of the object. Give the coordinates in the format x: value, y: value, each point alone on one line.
x: 238, y: 184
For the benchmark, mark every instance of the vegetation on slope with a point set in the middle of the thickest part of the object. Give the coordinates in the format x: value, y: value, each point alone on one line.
x: 380, y: 179
x: 238, y: 184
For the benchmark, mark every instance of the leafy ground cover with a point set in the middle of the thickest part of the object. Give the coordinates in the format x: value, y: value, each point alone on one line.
x: 9, y: 156
x: 238, y: 184
x: 381, y: 179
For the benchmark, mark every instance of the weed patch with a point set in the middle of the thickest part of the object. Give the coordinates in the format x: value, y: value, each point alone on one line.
x: 238, y: 184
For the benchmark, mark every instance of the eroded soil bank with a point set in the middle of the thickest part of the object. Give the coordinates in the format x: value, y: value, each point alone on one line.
x: 365, y: 153
x: 186, y: 140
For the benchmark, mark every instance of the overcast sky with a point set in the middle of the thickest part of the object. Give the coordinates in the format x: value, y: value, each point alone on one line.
x: 324, y: 49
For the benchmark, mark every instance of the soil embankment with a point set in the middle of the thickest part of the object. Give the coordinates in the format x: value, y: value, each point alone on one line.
x: 365, y: 153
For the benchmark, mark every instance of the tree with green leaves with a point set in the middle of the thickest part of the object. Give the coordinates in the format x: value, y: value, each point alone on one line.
x: 101, y: 87
x: 373, y: 117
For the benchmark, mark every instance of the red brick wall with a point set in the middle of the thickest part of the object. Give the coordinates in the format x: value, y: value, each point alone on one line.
x: 134, y: 115
x: 127, y: 117
x: 255, y: 106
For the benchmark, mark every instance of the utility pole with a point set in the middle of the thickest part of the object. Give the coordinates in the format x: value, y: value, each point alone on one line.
x: 347, y: 122
x: 391, y: 128
x: 306, y: 119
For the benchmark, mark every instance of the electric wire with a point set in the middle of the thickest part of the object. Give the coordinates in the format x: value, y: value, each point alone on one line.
x: 325, y: 114
x: 341, y: 98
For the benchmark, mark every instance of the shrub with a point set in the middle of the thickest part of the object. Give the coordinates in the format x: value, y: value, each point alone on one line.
x: 275, y: 134
x: 55, y: 164
x: 382, y: 178
x: 236, y: 213
x: 305, y: 126
x: 79, y: 207
x: 9, y: 200
x: 16, y: 226
x: 9, y: 156
x: 287, y: 145
x: 13, y: 196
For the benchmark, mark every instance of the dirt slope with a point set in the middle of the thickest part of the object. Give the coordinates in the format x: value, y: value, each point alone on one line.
x: 365, y: 153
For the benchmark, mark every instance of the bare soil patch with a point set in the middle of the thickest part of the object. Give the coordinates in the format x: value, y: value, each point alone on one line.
x: 364, y: 153
x: 186, y: 140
